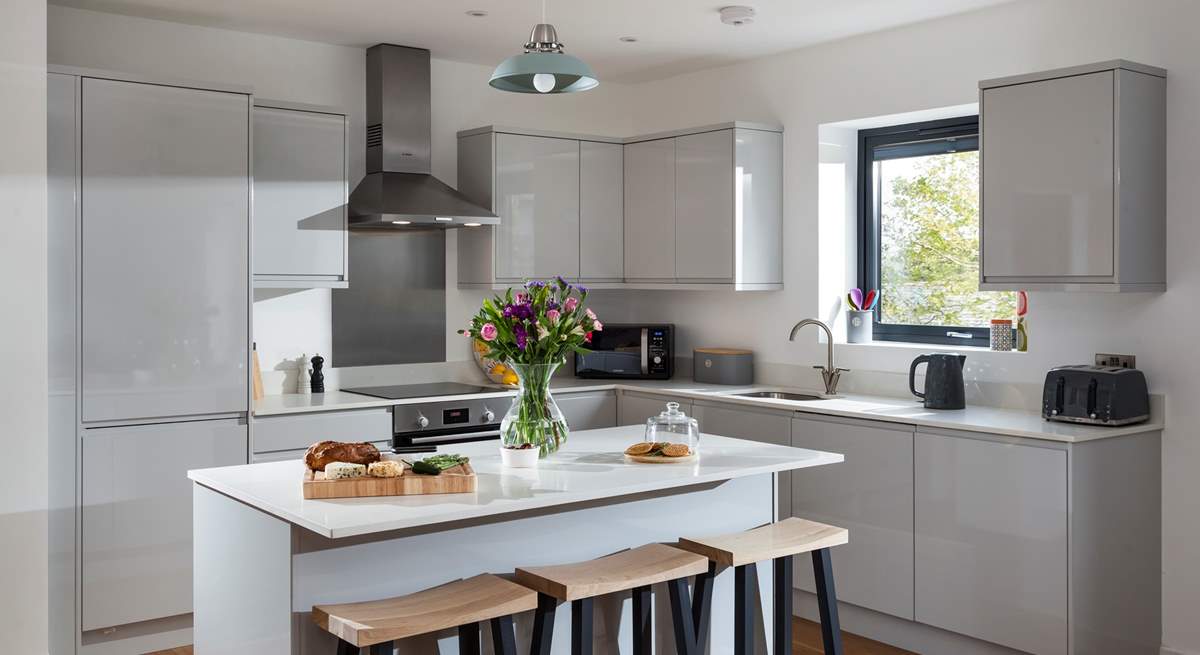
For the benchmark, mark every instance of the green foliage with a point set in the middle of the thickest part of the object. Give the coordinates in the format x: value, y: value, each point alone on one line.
x: 929, y: 266
x: 539, y: 325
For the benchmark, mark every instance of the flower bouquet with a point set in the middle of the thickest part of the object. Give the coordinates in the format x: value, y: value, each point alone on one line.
x: 532, y: 331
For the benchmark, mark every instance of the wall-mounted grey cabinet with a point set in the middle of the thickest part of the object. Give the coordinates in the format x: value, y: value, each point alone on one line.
x: 300, y: 191
x: 555, y: 195
x: 692, y: 209
x: 1074, y: 179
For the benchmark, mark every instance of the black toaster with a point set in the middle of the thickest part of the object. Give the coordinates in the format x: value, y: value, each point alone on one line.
x: 1098, y: 395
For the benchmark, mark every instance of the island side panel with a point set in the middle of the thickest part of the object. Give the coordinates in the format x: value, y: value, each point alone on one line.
x: 242, y: 577
x: 395, y: 563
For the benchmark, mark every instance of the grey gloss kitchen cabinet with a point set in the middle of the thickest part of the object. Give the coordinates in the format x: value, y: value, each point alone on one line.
x: 588, y: 410
x: 650, y: 211
x: 165, y: 192
x: 634, y: 408
x: 871, y: 495
x: 601, y: 212
x: 300, y: 191
x: 755, y: 424
x: 704, y: 201
x: 136, y: 516
x: 1074, y: 179
x: 991, y: 527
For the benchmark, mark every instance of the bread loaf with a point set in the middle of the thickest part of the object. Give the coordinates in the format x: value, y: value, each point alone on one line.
x: 327, y: 452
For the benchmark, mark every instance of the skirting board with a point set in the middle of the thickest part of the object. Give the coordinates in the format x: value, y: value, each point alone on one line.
x: 1174, y: 651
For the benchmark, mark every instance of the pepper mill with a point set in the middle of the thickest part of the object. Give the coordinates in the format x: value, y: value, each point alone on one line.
x: 317, y: 378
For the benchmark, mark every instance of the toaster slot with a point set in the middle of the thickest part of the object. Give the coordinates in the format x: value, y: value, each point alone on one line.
x: 1060, y: 392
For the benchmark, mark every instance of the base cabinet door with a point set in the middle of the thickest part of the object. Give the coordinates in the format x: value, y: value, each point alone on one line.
x: 137, y: 515
x: 635, y: 408
x: 871, y: 495
x: 991, y: 540
x: 588, y: 411
x: 765, y: 426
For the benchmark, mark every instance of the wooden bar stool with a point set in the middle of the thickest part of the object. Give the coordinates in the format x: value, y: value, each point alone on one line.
x: 462, y: 604
x: 777, y: 542
x: 630, y: 570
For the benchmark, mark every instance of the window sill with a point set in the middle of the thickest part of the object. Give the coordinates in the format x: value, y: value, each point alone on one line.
x: 938, y: 347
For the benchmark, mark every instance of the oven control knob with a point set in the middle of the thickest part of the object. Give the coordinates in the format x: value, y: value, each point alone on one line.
x: 657, y: 359
x: 422, y: 422
x: 488, y: 416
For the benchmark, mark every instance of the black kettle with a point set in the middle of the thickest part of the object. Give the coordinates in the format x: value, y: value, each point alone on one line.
x: 944, y: 388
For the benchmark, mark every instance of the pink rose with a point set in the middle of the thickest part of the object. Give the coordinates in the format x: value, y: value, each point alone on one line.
x: 571, y: 304
x: 597, y: 326
x: 590, y: 313
x: 488, y: 332
x: 553, y: 315
x: 522, y: 298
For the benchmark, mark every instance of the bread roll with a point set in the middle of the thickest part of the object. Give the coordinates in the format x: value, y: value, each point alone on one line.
x: 327, y: 452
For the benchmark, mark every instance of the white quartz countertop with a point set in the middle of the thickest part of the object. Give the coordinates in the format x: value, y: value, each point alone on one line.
x: 907, y: 411
x: 590, y: 467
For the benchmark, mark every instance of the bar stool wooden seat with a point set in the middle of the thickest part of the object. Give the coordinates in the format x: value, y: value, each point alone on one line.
x: 461, y: 604
x: 630, y: 570
x: 778, y: 542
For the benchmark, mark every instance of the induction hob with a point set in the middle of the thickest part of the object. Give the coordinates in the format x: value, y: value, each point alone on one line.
x: 432, y: 389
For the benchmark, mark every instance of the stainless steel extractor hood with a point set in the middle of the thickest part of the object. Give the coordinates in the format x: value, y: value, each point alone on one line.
x: 398, y: 190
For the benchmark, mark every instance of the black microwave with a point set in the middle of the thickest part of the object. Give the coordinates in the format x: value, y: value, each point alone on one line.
x: 629, y: 351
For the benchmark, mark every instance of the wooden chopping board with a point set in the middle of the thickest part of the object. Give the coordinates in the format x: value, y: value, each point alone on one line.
x: 458, y: 480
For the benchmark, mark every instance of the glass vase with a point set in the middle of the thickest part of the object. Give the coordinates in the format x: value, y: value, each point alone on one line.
x: 534, y: 418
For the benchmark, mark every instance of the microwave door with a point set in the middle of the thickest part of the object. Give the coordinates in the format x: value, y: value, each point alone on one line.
x: 645, y: 338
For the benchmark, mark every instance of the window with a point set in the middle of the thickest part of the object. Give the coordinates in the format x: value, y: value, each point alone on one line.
x: 918, y: 232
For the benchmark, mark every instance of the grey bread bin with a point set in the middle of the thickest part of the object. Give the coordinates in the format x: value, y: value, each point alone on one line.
x: 723, y: 366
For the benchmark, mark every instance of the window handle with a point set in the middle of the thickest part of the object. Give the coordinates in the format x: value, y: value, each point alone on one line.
x: 960, y: 335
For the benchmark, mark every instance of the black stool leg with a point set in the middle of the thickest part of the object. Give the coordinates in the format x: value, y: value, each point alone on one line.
x: 702, y: 607
x: 831, y: 631
x: 468, y: 639
x: 346, y: 648
x: 543, y: 625
x: 783, y: 605
x: 581, y: 626
x: 681, y: 617
x: 643, y: 630
x: 745, y: 586
x: 386, y: 648
x: 503, y: 639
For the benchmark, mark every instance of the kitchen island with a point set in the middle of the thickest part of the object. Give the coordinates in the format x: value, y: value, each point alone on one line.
x: 264, y: 555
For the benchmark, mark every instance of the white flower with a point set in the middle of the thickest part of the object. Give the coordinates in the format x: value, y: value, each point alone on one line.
x: 542, y: 331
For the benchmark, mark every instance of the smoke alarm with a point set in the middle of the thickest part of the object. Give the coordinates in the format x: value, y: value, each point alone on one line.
x: 737, y: 15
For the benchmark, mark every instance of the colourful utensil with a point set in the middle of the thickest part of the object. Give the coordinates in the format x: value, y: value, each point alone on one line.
x: 870, y: 300
x: 856, y: 298
x: 1022, y: 303
x: 850, y: 303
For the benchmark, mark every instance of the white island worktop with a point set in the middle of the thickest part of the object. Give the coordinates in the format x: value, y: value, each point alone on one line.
x: 264, y: 555
x: 591, y: 467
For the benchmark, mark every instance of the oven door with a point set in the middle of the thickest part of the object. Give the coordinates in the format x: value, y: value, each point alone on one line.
x: 620, y: 351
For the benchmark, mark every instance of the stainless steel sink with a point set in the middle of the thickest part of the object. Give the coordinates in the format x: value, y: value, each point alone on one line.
x: 779, y: 395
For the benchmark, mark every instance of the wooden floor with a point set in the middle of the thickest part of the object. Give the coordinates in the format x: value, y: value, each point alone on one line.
x: 806, y: 640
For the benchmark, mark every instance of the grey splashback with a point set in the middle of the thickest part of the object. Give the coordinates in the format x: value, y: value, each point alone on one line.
x: 395, y: 309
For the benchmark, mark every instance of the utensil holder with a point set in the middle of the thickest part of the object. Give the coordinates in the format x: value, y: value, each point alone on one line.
x: 860, y: 326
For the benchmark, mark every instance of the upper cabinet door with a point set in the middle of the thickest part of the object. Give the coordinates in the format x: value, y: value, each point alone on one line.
x: 537, y: 199
x: 299, y: 196
x: 1048, y: 178
x: 165, y: 197
x: 704, y: 209
x: 650, y: 210
x: 601, y: 211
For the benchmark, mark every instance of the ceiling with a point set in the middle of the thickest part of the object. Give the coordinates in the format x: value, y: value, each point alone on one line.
x: 674, y: 36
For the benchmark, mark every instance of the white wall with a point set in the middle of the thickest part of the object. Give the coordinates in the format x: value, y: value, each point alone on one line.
x: 23, y: 490
x: 937, y: 64
x: 288, y: 324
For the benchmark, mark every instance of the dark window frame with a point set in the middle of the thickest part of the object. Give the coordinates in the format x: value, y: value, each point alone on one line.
x: 926, y: 137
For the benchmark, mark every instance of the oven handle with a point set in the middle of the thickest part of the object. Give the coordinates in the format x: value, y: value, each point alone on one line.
x: 645, y: 351
x: 457, y: 437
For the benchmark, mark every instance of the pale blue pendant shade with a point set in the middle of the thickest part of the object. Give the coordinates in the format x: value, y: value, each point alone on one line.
x: 543, y: 67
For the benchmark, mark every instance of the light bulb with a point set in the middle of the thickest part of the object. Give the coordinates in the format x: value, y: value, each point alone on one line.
x: 543, y: 82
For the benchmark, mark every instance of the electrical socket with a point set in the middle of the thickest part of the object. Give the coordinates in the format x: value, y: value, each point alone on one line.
x: 1118, y: 361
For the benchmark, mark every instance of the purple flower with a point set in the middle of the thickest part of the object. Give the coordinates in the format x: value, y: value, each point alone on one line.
x: 508, y: 311
x: 582, y: 289
x: 534, y: 284
x: 519, y: 330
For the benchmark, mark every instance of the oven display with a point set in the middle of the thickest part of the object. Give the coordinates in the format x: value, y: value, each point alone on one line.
x: 454, y: 416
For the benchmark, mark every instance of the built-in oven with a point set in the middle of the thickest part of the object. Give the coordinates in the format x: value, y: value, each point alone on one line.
x: 629, y: 351
x: 422, y: 427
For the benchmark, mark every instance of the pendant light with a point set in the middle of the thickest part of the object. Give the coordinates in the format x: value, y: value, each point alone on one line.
x: 543, y: 67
